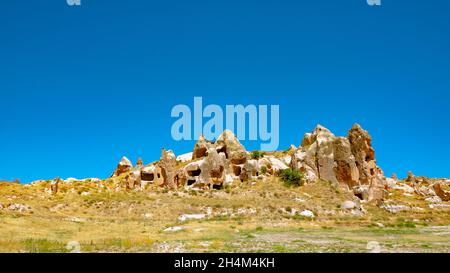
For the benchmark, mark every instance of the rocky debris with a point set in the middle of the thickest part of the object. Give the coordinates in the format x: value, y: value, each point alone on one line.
x: 19, y: 208
x: 393, y: 208
x: 440, y: 206
x: 443, y: 194
x: 187, y: 217
x: 433, y: 199
x: 307, y: 214
x: 342, y: 161
x: 75, y: 219
x: 174, y: 229
x: 124, y: 166
x: 168, y: 163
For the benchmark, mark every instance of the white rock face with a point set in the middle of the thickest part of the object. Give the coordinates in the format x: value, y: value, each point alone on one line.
x: 185, y: 157
x: 186, y: 217
x: 307, y: 214
x: 277, y: 164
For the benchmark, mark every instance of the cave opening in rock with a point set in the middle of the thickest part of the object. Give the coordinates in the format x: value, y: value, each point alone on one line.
x: 217, y: 186
x: 196, y: 172
x: 191, y: 182
x: 148, y: 177
x: 223, y: 149
x: 359, y: 195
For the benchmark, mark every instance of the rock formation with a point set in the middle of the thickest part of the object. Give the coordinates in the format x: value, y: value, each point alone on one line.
x: 342, y: 161
x: 443, y: 194
x: 124, y: 166
x: 168, y: 163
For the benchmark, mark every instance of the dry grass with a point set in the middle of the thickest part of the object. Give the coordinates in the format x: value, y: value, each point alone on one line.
x: 253, y: 216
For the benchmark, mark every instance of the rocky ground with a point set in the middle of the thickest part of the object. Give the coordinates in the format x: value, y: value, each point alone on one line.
x: 262, y: 217
x: 221, y: 198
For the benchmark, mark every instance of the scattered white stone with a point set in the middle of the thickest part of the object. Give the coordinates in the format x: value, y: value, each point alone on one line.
x: 349, y: 205
x: 439, y: 206
x: 148, y: 216
x: 307, y: 214
x: 404, y: 187
x: 19, y: 207
x: 85, y: 193
x: 380, y: 225
x: 174, y: 229
x: 395, y: 208
x: 434, y: 199
x: 246, y: 211
x: 186, y: 217
x: 300, y: 200
x: 75, y: 219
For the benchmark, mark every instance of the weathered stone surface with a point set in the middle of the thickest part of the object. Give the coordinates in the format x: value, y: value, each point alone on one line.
x: 369, y: 173
x: 443, y: 194
x: 54, y: 185
x: 342, y: 161
x: 233, y: 149
x: 168, y: 163
x: 345, y: 168
x: 132, y: 180
x: 200, y: 148
x: 124, y: 166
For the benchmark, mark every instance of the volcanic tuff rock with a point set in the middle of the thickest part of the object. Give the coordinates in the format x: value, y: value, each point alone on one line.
x: 168, y: 163
x: 123, y: 167
x: 347, y: 162
x: 343, y: 161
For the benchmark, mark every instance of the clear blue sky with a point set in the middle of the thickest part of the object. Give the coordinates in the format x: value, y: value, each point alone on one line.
x: 82, y: 86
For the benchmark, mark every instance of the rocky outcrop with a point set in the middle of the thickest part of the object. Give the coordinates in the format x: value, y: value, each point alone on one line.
x: 200, y: 148
x: 348, y: 162
x: 168, y: 163
x: 54, y: 185
x: 124, y: 166
x: 443, y: 194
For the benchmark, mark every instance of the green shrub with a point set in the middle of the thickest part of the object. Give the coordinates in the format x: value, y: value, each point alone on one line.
x: 257, y: 155
x: 292, y: 177
x: 263, y: 170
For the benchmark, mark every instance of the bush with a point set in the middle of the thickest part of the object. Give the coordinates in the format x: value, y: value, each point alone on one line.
x: 263, y: 169
x: 257, y: 155
x: 292, y: 177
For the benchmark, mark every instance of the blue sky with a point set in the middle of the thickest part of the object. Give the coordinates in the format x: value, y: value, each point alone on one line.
x: 82, y: 86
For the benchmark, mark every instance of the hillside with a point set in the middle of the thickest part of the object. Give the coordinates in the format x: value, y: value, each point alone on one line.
x: 328, y: 195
